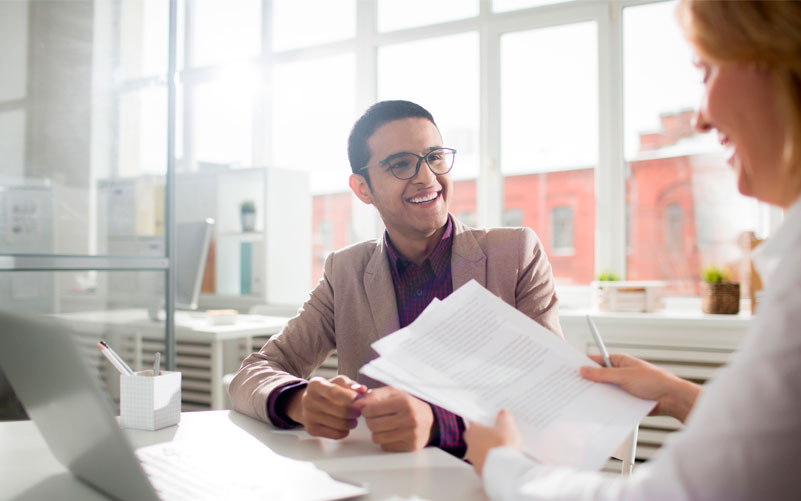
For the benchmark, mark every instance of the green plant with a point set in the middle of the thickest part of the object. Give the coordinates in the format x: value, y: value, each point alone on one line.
x: 608, y: 276
x: 248, y: 206
x: 715, y: 275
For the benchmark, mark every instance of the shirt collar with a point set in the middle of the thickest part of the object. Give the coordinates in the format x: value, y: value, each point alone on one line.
x: 786, y: 239
x: 438, y: 258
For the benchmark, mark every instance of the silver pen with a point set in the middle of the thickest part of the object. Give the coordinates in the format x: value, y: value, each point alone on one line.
x: 599, y: 342
x: 156, y: 364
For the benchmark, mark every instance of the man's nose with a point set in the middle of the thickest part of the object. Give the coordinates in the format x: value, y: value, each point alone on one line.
x: 424, y: 173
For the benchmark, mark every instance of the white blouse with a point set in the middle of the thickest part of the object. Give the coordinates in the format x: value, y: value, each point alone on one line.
x: 742, y: 439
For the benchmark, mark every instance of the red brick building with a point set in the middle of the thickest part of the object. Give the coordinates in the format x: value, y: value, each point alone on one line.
x: 560, y: 206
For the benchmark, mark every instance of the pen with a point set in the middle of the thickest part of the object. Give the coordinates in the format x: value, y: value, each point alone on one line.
x: 115, y: 359
x: 156, y: 364
x: 599, y: 342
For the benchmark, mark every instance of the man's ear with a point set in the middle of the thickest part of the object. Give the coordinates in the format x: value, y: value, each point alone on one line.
x: 360, y: 188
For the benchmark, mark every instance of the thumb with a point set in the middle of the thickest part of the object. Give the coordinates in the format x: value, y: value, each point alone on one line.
x: 505, y: 419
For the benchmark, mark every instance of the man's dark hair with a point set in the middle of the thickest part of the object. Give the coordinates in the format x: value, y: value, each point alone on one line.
x: 377, y: 115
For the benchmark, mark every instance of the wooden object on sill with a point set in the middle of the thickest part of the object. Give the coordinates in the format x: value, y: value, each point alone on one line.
x: 628, y: 296
x: 720, y: 298
x: 756, y: 281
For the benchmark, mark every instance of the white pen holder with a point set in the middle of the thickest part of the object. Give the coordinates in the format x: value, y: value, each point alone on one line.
x: 150, y: 403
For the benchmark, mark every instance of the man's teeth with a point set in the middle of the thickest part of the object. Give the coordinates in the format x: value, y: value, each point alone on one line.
x: 424, y: 198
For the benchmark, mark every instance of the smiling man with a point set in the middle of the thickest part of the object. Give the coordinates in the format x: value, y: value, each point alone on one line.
x: 370, y: 289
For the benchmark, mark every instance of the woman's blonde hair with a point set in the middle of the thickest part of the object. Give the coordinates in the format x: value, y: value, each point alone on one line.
x: 764, y: 33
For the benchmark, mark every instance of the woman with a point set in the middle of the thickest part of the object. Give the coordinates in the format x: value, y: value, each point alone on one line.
x: 742, y: 438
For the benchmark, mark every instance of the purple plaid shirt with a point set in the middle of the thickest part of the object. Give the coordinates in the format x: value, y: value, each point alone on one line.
x: 415, y: 287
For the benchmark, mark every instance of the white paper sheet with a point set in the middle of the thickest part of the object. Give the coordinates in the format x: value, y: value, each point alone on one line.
x: 473, y: 354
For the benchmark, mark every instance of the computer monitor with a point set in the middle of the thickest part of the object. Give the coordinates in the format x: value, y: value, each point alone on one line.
x: 191, y: 250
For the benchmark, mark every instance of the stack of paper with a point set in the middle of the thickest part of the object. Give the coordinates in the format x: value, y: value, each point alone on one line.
x: 473, y: 354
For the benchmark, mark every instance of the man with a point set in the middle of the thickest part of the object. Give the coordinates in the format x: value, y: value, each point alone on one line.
x: 373, y: 288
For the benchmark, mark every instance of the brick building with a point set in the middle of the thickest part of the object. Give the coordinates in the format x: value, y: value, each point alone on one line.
x: 664, y: 183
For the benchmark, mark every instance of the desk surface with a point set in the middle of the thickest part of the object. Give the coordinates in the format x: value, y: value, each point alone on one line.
x: 29, y: 471
x: 189, y: 325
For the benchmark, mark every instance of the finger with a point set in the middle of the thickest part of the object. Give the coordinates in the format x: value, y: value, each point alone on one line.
x: 505, y: 419
x: 346, y: 382
x: 320, y: 430
x: 379, y: 401
x: 323, y: 401
x: 320, y: 412
x: 598, y: 359
x: 332, y: 393
x: 383, y: 423
x: 399, y: 446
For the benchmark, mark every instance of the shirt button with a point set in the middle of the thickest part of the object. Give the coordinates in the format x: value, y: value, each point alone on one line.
x: 419, y: 292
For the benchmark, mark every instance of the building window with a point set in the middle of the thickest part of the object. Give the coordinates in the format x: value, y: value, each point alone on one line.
x: 674, y: 224
x: 513, y: 217
x: 562, y: 231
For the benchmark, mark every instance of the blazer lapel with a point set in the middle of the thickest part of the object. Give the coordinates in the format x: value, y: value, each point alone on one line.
x: 468, y: 261
x: 381, y: 292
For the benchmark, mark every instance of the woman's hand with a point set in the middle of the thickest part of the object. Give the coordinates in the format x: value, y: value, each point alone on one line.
x: 480, y: 439
x: 674, y: 396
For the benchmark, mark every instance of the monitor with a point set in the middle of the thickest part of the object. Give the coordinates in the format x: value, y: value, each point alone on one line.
x: 191, y: 250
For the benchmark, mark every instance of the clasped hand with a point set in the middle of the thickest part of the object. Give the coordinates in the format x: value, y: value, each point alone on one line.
x: 330, y: 408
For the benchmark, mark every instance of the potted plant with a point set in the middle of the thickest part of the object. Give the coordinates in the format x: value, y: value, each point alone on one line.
x: 248, y: 215
x: 720, y: 295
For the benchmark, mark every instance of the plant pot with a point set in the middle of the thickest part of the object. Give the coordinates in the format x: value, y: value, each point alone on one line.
x: 720, y: 298
x: 248, y: 220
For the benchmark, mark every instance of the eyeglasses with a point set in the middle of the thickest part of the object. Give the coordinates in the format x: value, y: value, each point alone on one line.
x: 406, y: 165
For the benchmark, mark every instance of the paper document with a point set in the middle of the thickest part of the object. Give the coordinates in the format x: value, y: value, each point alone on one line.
x: 474, y: 354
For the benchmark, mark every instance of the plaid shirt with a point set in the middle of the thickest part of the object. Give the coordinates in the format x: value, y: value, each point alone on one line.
x: 415, y: 287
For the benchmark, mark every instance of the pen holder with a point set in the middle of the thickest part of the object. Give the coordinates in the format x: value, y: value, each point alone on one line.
x: 148, y: 402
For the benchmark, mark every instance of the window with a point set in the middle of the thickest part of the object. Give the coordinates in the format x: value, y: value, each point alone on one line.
x: 549, y: 103
x: 525, y: 90
x: 331, y: 20
x: 562, y: 230
x: 430, y: 82
x: 513, y: 217
x: 507, y: 5
x: 313, y: 111
x: 685, y: 212
x: 400, y: 14
x: 223, y: 31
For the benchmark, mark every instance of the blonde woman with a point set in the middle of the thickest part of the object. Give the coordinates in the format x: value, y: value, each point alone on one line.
x: 742, y: 438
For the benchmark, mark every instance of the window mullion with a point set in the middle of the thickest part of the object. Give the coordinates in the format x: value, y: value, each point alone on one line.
x: 610, y: 185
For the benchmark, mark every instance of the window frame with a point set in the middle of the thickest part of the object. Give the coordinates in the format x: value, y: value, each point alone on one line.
x: 610, y: 230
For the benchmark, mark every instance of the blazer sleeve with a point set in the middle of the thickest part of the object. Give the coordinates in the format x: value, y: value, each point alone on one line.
x: 291, y: 355
x: 535, y: 293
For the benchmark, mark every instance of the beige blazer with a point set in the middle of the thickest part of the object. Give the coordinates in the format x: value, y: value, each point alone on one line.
x: 354, y: 304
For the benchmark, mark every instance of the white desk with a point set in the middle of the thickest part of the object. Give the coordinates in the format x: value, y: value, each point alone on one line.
x: 189, y: 326
x: 29, y: 471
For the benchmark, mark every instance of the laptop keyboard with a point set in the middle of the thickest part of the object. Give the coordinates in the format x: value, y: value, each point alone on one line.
x: 186, y: 470
x: 177, y: 474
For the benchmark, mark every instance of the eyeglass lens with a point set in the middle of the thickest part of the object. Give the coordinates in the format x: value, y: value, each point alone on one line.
x: 406, y: 166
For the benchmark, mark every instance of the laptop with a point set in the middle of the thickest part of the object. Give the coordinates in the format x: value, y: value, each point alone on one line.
x: 72, y: 411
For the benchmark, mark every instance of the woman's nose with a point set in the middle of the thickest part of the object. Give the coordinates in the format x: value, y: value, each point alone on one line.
x: 700, y: 123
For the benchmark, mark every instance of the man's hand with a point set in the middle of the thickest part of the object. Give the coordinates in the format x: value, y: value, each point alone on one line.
x: 674, y: 396
x: 480, y: 439
x: 325, y: 408
x: 399, y: 421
